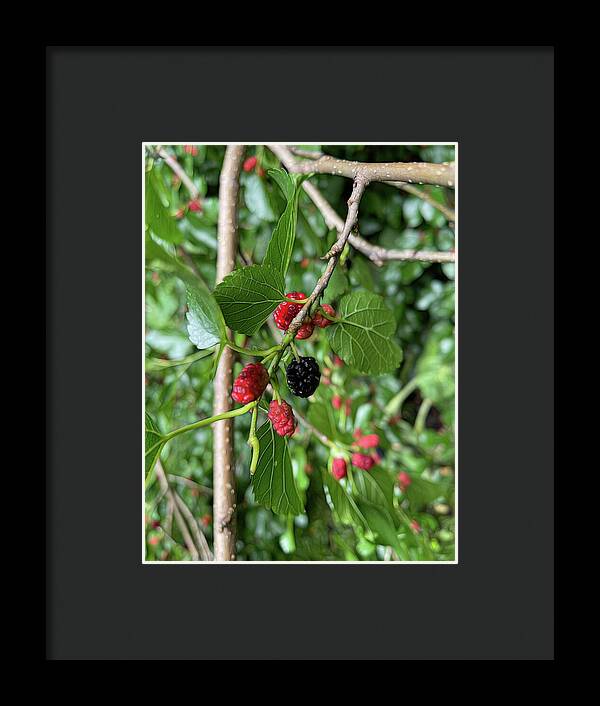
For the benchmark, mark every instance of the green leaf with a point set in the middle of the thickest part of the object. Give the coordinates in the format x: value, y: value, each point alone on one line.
x: 279, y: 250
x: 343, y: 503
x: 321, y: 416
x: 363, y: 339
x: 338, y: 285
x: 422, y: 492
x: 257, y: 198
x: 381, y: 524
x: 158, y: 218
x: 153, y: 445
x: 156, y: 253
x: 377, y: 487
x: 206, y: 326
x: 273, y: 482
x: 248, y: 295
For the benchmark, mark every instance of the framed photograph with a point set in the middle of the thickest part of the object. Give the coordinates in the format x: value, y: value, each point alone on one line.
x: 300, y: 334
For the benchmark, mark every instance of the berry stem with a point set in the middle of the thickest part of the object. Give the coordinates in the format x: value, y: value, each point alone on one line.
x: 253, y: 441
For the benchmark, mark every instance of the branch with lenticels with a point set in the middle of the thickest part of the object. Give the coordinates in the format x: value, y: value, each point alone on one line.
x: 412, y: 172
x: 375, y: 253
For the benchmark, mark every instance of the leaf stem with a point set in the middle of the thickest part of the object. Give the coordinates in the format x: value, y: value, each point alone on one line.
x: 253, y: 351
x: 422, y: 415
x: 210, y: 420
x: 153, y: 364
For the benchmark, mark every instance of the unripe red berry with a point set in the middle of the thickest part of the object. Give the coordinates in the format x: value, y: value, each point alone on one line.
x: 304, y: 263
x: 282, y: 418
x: 337, y: 361
x: 260, y: 171
x: 415, y: 526
x: 195, y: 205
x: 206, y: 520
x: 191, y: 149
x: 338, y: 468
x: 154, y: 540
x: 357, y: 434
x: 404, y: 480
x: 249, y: 164
x: 180, y: 213
x: 306, y: 330
x: 369, y: 441
x: 348, y: 406
x: 320, y: 320
x: 362, y: 461
x: 250, y: 383
x: 336, y: 401
x: 286, y: 311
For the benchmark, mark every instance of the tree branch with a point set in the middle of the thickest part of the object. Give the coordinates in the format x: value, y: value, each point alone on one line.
x: 411, y: 172
x: 375, y: 253
x: 223, y: 460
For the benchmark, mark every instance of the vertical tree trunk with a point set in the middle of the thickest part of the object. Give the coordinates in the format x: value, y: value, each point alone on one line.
x: 223, y: 461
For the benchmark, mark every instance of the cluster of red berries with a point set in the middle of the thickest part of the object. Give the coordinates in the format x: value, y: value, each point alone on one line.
x: 286, y: 312
x: 361, y: 460
x: 252, y: 164
x: 191, y: 149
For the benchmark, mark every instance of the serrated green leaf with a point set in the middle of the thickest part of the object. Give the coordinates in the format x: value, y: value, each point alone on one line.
x: 158, y: 218
x: 363, y: 340
x: 248, y: 295
x: 153, y: 444
x: 206, y: 326
x: 279, y: 250
x: 273, y: 481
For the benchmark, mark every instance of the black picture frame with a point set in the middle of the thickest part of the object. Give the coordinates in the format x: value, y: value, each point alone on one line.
x: 498, y: 601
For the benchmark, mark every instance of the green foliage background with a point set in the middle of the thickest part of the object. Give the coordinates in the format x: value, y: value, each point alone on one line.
x: 421, y: 297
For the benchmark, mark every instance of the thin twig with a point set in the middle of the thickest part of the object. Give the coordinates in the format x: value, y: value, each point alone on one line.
x: 179, y: 170
x: 351, y: 219
x: 320, y: 436
x: 190, y: 483
x: 201, y: 543
x: 164, y: 484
